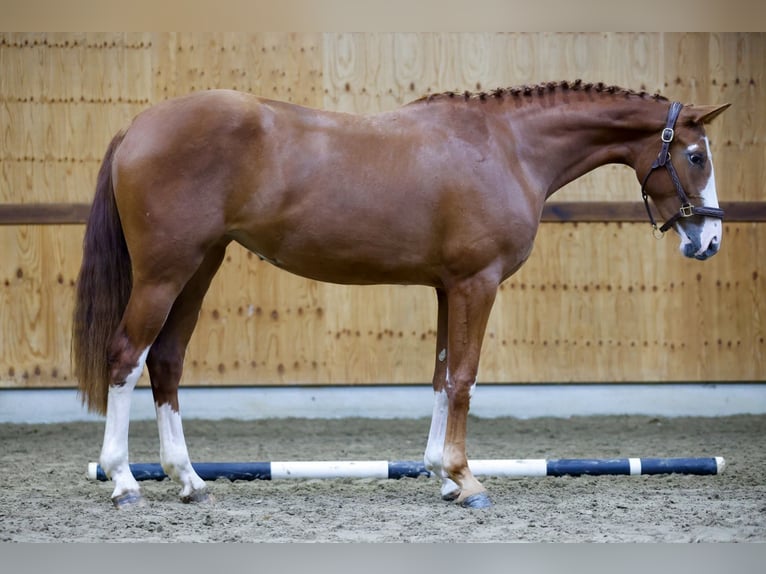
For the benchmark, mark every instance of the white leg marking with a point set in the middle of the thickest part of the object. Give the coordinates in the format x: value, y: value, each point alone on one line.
x: 173, y: 453
x: 114, y: 452
x: 435, y: 447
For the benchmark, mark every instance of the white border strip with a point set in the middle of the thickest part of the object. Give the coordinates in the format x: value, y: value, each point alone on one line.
x: 489, y: 401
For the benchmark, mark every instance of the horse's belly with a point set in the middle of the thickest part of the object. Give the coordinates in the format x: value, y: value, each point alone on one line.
x: 351, y: 261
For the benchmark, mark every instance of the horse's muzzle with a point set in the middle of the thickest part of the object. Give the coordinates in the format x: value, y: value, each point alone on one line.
x: 696, y: 250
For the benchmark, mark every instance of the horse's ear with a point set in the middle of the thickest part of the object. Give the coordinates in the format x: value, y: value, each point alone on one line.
x: 706, y: 114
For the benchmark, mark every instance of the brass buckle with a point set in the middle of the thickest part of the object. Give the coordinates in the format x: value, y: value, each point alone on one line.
x: 687, y: 210
x: 667, y: 135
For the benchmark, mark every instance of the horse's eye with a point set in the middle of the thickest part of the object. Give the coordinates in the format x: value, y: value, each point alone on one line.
x: 697, y: 159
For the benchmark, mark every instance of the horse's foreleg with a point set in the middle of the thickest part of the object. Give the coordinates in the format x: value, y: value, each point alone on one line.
x: 435, y: 447
x: 470, y: 303
x: 165, y: 363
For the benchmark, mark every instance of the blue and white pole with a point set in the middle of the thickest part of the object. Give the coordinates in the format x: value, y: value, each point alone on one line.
x: 413, y: 469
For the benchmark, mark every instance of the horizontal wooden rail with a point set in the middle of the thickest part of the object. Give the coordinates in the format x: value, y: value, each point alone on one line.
x: 43, y: 213
x: 628, y: 211
x: 562, y: 212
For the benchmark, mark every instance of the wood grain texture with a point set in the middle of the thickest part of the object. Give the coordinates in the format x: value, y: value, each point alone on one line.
x: 637, y: 311
x: 37, y: 276
x: 65, y: 95
x: 597, y: 301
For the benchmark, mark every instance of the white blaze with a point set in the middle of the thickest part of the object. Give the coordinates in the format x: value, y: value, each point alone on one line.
x: 712, y: 229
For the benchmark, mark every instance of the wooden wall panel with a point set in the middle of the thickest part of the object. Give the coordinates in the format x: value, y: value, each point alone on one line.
x: 281, y: 66
x: 737, y: 75
x: 37, y: 275
x: 63, y: 97
x: 638, y: 311
x: 596, y: 302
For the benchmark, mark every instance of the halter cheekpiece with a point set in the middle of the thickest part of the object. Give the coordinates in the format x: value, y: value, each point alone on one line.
x: 663, y: 160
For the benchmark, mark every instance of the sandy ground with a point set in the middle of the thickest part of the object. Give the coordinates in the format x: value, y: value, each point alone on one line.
x: 45, y: 495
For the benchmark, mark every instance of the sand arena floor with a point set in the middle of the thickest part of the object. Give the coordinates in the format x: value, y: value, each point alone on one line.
x: 45, y: 495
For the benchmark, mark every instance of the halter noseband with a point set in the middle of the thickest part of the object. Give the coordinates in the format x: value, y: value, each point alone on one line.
x: 663, y: 160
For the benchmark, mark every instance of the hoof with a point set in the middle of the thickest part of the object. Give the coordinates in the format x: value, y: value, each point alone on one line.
x: 478, y: 500
x: 128, y: 500
x: 198, y: 497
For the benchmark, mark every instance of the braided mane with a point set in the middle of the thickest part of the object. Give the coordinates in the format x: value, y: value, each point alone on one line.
x: 539, y: 90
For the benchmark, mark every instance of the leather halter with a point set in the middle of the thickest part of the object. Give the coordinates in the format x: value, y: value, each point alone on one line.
x: 663, y: 160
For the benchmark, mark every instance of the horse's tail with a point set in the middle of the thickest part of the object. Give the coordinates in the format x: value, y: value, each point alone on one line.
x: 103, y: 289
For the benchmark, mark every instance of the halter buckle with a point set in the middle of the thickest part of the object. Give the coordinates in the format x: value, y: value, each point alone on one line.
x: 687, y: 210
x: 667, y: 135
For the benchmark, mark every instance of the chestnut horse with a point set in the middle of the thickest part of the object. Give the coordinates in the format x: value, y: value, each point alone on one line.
x: 446, y: 192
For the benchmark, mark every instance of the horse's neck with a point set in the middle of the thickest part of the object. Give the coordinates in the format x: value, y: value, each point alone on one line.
x: 568, y: 140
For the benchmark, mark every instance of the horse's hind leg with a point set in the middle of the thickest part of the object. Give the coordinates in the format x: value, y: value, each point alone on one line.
x: 165, y: 364
x: 114, y: 452
x: 144, y: 316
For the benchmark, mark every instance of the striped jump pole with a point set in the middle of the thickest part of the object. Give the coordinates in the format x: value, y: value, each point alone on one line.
x: 413, y: 469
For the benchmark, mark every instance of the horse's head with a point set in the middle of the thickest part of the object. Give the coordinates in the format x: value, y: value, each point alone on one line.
x: 681, y: 182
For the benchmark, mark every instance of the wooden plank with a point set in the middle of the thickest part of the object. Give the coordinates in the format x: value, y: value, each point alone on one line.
x: 38, y: 271
x: 744, y: 211
x: 554, y: 212
x: 623, y: 211
x: 44, y: 213
x: 593, y: 211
